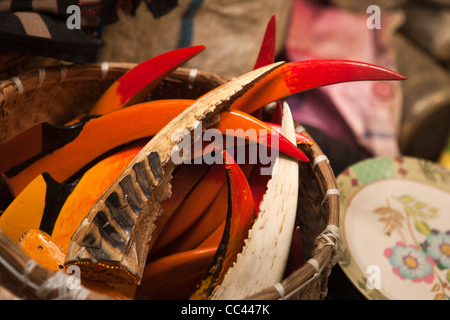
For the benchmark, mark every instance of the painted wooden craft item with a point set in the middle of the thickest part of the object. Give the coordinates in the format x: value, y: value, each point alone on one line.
x: 140, y: 224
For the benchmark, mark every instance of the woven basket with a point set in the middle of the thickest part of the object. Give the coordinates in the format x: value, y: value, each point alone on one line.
x: 58, y: 94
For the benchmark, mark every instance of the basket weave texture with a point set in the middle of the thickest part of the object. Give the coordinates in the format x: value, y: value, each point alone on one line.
x: 59, y: 94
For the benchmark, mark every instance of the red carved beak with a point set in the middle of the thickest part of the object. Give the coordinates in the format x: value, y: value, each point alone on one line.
x: 135, y: 85
x: 295, y: 77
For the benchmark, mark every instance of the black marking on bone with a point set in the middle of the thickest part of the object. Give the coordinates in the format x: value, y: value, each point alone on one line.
x: 120, y: 214
x: 108, y: 231
x: 155, y: 165
x: 144, y: 182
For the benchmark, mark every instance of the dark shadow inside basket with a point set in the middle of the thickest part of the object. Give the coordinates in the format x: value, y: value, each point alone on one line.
x: 312, y: 212
x: 54, y: 103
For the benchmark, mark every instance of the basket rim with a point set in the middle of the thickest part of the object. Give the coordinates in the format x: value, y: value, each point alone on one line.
x: 12, y: 88
x: 326, y: 244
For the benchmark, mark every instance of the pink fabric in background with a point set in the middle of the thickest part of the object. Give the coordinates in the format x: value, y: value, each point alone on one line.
x: 370, y: 111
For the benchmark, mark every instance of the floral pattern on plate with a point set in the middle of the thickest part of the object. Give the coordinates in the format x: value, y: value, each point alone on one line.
x: 395, y: 226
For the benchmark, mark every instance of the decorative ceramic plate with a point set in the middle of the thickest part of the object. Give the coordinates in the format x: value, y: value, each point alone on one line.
x: 395, y: 228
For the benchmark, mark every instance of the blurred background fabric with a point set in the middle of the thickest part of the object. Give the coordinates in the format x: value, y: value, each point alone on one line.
x: 371, y: 110
x: 232, y: 31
